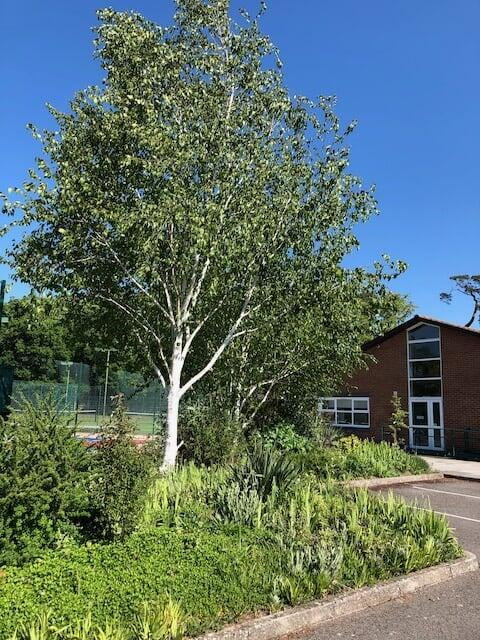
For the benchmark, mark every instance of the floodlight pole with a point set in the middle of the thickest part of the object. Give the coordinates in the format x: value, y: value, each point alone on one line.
x: 106, y: 384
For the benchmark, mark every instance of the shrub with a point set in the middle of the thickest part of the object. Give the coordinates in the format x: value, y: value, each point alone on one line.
x: 44, y: 474
x: 355, y: 458
x: 199, y: 572
x: 264, y: 469
x: 285, y: 437
x: 321, y: 430
x: 121, y: 476
x: 210, y: 435
x: 398, y: 422
x: 316, y: 541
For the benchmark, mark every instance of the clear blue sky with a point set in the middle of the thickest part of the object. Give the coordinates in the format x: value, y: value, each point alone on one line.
x: 407, y: 70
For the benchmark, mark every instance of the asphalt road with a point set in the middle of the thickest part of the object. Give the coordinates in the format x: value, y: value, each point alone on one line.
x: 449, y: 611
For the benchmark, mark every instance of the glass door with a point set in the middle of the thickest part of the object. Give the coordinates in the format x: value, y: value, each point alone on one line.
x: 426, y: 424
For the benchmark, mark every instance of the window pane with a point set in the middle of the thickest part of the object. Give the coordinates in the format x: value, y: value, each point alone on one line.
x: 329, y: 415
x: 425, y: 350
x: 436, y: 414
x: 423, y: 332
x: 427, y: 369
x: 437, y: 438
x: 344, y: 417
x: 361, y: 419
x: 344, y: 403
x: 420, y: 437
x: 327, y: 403
x: 422, y: 388
x: 419, y: 413
x: 360, y: 404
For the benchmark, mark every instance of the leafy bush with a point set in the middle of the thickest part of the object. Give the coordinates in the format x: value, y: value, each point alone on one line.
x: 355, y: 458
x: 121, y: 474
x: 398, y: 424
x: 210, y: 435
x: 285, y: 437
x: 317, y: 541
x: 321, y: 431
x: 44, y: 474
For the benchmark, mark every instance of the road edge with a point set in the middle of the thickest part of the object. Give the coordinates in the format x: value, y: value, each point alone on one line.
x: 308, y: 617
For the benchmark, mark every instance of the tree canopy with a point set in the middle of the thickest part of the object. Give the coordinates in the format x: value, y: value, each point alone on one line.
x: 205, y: 204
x: 468, y: 285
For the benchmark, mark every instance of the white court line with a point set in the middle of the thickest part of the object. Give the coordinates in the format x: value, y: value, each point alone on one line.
x: 450, y: 493
x: 442, y: 513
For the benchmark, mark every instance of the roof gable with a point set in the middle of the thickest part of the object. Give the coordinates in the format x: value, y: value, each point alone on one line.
x: 411, y: 323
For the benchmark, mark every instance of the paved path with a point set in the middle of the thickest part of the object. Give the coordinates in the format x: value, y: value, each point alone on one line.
x: 459, y: 468
x: 450, y: 611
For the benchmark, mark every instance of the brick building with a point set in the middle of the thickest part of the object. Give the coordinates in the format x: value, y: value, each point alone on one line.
x: 434, y: 367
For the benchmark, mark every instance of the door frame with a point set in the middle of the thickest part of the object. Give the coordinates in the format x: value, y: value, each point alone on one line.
x: 430, y: 426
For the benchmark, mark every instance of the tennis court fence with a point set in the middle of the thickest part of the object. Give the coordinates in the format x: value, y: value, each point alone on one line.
x: 89, y: 406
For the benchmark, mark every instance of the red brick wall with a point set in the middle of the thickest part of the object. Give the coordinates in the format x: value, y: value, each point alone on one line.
x: 461, y: 385
x: 461, y: 388
x: 388, y: 373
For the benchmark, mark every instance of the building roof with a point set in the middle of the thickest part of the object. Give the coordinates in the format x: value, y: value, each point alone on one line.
x: 412, y: 322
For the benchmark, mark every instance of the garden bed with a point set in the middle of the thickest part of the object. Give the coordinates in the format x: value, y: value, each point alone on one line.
x: 211, y: 550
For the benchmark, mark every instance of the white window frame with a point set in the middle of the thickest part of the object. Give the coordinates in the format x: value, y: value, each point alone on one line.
x: 429, y: 400
x: 353, y: 411
x: 438, y: 359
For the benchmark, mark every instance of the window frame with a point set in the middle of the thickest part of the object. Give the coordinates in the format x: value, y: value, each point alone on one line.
x: 411, y: 360
x: 335, y: 411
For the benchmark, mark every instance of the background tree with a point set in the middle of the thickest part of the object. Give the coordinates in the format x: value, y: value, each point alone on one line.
x: 469, y: 286
x: 191, y: 192
x: 43, y: 330
x: 34, y: 339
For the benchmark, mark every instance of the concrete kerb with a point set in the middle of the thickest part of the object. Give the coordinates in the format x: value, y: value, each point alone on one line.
x: 376, y: 483
x: 307, y: 617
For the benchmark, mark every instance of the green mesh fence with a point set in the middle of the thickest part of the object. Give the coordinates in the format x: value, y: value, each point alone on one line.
x: 90, y: 405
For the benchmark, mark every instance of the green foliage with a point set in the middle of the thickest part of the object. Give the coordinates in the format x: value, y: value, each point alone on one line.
x: 321, y: 431
x: 213, y: 576
x: 210, y: 209
x: 210, y: 434
x: 312, y: 540
x: 44, y: 475
x: 34, y: 338
x: 399, y: 421
x: 264, y: 469
x: 355, y: 458
x: 120, y: 479
x: 468, y: 285
x: 285, y: 437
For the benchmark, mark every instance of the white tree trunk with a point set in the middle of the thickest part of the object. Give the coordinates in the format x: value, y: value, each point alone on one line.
x: 173, y: 403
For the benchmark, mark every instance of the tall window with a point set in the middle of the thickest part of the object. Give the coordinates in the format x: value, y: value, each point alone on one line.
x: 424, y: 369
x: 346, y: 412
